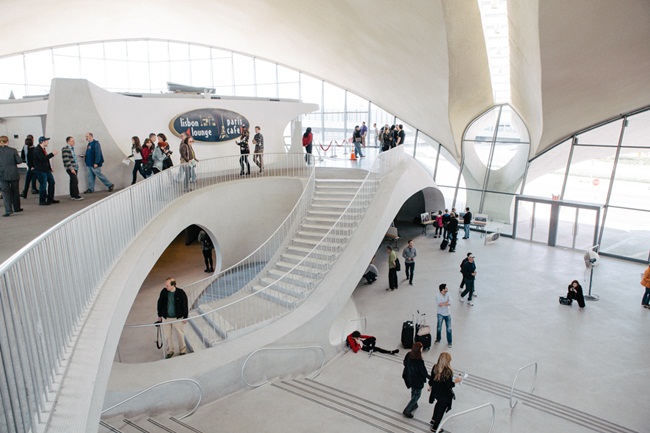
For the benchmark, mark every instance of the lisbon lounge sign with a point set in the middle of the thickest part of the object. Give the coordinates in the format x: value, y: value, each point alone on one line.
x: 209, y: 124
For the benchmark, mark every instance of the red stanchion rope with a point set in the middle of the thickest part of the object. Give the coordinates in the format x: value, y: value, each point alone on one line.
x: 325, y: 149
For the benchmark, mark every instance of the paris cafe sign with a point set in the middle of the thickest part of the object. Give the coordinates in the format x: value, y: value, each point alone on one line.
x: 209, y: 124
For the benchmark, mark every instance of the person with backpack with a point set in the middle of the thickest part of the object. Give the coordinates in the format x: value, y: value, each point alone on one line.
x: 307, y: 139
x: 206, y: 247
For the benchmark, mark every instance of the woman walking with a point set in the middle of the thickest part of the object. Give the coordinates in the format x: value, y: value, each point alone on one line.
x: 440, y: 385
x: 244, y: 150
x: 136, y: 153
x: 415, y: 376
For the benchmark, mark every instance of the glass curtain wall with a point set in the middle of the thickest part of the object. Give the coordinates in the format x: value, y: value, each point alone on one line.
x: 606, y: 165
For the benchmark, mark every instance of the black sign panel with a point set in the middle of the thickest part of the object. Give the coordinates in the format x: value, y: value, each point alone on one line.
x: 209, y: 124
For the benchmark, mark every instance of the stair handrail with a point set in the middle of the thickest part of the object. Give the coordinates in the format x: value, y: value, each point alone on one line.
x: 192, y: 381
x: 532, y: 388
x: 308, y: 190
x: 379, y: 168
x: 243, y: 368
x: 378, y: 162
x: 439, y: 429
x: 105, y: 234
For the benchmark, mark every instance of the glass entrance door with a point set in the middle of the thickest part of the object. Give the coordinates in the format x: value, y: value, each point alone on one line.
x: 557, y: 223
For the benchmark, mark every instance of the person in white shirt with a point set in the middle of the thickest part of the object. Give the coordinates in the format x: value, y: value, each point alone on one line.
x: 443, y: 301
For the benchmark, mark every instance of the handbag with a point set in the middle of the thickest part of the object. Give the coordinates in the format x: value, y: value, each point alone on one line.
x: 159, y: 343
x: 565, y: 301
x: 398, y: 266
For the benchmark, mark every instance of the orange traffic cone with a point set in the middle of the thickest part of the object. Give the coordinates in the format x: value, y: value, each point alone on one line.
x: 353, y: 157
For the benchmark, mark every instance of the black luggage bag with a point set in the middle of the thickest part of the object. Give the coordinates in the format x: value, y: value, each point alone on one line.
x: 407, y: 334
x: 443, y: 245
x: 425, y: 340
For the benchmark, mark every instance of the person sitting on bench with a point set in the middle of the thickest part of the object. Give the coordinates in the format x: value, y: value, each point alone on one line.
x: 356, y: 341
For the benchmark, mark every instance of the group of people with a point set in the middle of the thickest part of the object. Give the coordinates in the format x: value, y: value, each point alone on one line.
x: 244, y: 150
x: 447, y: 224
x: 441, y: 379
x: 37, y: 157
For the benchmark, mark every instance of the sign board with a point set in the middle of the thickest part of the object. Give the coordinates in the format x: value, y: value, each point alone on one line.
x: 209, y: 124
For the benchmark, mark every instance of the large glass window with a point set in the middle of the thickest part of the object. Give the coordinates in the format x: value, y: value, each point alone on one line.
x: 545, y: 175
x: 589, y: 174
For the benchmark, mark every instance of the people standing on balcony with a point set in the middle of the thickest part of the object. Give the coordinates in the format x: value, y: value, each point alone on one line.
x: 94, y: 160
x: 9, y: 176
x: 244, y: 150
x: 307, y: 139
x: 441, y: 386
x: 71, y: 165
x: 147, y: 158
x: 136, y: 153
x: 357, y: 341
x: 364, y: 134
x: 172, y: 306
x: 206, y: 248
x: 43, y: 171
x: 161, y: 154
x: 258, y: 141
x: 356, y: 138
x: 401, y: 135
x: 164, y: 146
x: 467, y: 220
x: 409, y: 254
x: 374, y: 126
x: 392, y: 268
x: 393, y: 135
x: 415, y: 375
x: 27, y: 156
x: 386, y: 138
x: 188, y: 160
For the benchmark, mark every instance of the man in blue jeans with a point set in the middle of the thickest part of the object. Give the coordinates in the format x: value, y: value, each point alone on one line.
x: 43, y: 171
x: 443, y: 301
x: 94, y: 161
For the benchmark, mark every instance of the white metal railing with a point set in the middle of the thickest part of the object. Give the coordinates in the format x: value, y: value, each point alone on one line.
x: 263, y: 349
x: 192, y: 381
x: 248, y: 308
x: 439, y: 429
x: 47, y: 287
x: 532, y: 387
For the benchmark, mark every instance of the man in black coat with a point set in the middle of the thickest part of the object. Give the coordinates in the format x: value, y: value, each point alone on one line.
x: 452, y: 228
x: 9, y: 176
x: 172, y: 305
x: 43, y: 171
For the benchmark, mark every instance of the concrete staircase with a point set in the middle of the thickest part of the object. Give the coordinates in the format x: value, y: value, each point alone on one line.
x: 144, y: 423
x: 288, y: 279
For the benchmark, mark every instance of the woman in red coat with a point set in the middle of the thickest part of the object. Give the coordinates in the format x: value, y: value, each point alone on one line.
x: 356, y: 341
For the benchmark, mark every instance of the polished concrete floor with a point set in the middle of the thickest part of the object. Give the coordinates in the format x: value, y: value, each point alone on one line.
x: 593, y: 373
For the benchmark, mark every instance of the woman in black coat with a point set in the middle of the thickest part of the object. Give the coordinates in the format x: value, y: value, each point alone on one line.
x: 440, y: 385
x: 575, y: 292
x: 415, y: 376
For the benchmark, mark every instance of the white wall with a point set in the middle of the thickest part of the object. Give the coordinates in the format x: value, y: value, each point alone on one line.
x: 78, y: 106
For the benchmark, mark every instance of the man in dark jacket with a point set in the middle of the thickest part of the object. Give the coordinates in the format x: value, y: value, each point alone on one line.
x: 9, y: 176
x: 469, y: 275
x: 43, y: 171
x: 467, y: 220
x: 94, y: 161
x: 172, y: 305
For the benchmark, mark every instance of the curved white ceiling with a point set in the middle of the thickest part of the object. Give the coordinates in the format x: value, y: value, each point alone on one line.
x: 574, y: 63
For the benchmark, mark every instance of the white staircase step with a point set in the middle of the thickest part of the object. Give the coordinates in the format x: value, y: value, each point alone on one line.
x: 295, y: 258
x: 284, y: 284
x: 203, y: 330
x: 221, y: 326
x: 314, y: 242
x: 278, y: 297
x: 307, y: 271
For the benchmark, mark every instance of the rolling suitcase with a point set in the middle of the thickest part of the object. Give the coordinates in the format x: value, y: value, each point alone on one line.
x: 443, y: 245
x: 423, y: 334
x: 407, y: 334
x: 425, y: 340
